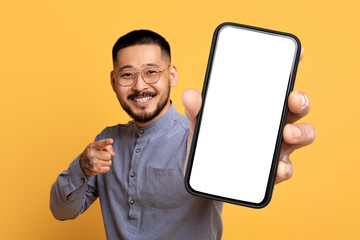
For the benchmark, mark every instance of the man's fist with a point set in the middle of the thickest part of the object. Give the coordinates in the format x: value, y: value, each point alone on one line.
x: 96, y: 157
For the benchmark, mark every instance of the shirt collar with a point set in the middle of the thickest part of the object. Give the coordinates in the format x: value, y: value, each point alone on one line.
x: 159, y: 124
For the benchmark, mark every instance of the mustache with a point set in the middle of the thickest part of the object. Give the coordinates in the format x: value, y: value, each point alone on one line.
x: 142, y: 94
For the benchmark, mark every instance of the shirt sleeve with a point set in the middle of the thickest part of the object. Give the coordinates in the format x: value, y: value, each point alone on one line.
x: 72, y: 192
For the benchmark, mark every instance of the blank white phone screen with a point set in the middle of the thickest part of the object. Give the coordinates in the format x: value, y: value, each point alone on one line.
x: 242, y: 113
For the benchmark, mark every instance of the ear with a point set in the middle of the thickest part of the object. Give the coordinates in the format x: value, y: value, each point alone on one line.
x: 173, y: 75
x: 112, y: 80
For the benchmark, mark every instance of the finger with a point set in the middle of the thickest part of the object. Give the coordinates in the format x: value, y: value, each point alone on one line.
x: 102, y: 143
x: 299, y: 135
x: 109, y: 149
x: 98, y: 163
x: 284, y: 170
x: 104, y: 169
x: 101, y: 163
x: 299, y: 106
x: 95, y: 154
x: 301, y: 53
x: 102, y: 155
x: 191, y: 100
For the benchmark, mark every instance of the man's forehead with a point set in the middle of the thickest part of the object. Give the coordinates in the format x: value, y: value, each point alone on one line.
x: 140, y: 55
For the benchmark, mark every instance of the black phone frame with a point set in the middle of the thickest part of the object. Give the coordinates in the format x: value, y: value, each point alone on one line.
x: 284, y: 116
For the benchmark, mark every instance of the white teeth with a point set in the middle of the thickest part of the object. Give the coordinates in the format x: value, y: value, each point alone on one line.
x: 142, y: 99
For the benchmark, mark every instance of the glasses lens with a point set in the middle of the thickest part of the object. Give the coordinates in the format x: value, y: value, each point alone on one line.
x: 126, y: 77
x: 151, y: 75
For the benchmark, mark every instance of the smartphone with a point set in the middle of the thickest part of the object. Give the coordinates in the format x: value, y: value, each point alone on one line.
x: 238, y: 134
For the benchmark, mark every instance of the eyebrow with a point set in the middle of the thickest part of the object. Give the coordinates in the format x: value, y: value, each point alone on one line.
x: 144, y: 65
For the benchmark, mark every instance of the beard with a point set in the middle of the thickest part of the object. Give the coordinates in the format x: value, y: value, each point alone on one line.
x: 145, y: 117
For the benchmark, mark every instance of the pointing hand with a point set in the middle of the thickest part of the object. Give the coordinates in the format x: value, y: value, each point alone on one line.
x: 96, y: 157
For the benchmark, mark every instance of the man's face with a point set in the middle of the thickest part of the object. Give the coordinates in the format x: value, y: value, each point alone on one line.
x: 144, y: 102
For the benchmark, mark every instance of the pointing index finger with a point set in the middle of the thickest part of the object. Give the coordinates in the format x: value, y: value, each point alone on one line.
x: 102, y: 143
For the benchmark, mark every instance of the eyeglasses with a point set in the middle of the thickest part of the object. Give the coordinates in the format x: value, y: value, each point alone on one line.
x: 150, y: 75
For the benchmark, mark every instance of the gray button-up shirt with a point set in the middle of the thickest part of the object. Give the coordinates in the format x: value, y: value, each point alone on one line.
x: 143, y: 195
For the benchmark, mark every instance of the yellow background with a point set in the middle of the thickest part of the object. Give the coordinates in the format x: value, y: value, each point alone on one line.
x: 55, y: 59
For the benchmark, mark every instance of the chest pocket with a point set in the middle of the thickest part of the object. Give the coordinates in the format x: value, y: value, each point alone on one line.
x: 164, y: 188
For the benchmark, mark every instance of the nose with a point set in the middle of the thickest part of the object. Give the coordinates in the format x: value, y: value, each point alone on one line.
x: 139, y: 84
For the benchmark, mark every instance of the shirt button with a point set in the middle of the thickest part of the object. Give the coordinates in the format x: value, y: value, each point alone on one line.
x: 137, y: 150
x: 132, y: 174
x: 141, y: 131
x: 132, y: 202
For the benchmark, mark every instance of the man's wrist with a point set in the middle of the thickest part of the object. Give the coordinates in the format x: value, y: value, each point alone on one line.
x: 78, y: 176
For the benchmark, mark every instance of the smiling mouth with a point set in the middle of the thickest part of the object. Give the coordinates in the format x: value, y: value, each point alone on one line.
x: 141, y: 100
x: 142, y: 97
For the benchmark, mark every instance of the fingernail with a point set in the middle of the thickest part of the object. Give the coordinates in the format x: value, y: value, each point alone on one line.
x: 303, y: 101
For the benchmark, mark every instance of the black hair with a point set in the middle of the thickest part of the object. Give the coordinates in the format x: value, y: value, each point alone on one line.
x: 139, y: 37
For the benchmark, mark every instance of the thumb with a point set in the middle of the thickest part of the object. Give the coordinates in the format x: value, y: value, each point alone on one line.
x: 191, y: 100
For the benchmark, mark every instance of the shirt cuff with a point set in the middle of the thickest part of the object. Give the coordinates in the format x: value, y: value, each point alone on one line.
x: 78, y: 177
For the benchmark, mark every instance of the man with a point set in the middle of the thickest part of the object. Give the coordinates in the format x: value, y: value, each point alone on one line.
x: 136, y: 169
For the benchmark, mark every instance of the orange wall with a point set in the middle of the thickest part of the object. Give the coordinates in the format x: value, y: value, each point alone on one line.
x: 55, y: 96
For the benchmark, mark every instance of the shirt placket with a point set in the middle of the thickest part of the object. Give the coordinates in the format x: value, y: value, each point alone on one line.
x: 134, y: 210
